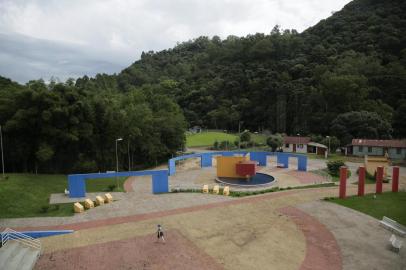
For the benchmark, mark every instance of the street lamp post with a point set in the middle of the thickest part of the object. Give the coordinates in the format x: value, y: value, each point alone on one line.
x: 239, y: 134
x: 299, y: 140
x: 117, y: 140
x: 2, y: 154
x: 128, y: 150
x: 328, y: 137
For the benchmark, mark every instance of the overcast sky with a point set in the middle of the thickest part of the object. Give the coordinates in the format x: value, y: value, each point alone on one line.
x: 72, y: 38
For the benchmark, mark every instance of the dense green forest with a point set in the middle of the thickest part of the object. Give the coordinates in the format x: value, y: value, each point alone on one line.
x: 345, y: 76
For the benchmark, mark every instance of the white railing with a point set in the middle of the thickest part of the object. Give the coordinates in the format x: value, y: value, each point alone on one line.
x: 9, y: 234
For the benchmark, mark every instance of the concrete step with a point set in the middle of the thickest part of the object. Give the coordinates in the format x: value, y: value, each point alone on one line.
x: 7, y: 251
x: 29, y: 259
x: 17, y: 256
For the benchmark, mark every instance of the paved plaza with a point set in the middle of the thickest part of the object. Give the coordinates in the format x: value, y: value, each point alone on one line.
x: 292, y: 229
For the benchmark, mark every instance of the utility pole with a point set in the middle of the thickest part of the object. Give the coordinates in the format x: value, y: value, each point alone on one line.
x: 2, y: 154
x: 129, y: 160
x: 117, y: 140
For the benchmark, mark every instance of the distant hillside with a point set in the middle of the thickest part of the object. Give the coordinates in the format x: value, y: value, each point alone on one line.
x: 345, y: 76
x: 285, y: 81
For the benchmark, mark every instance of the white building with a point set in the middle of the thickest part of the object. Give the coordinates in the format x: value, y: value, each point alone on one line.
x: 295, y: 144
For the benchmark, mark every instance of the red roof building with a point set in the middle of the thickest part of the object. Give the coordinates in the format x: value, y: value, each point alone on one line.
x: 396, y: 149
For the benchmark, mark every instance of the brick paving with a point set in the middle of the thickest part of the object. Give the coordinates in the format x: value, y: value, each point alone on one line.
x: 307, y: 177
x: 142, y: 252
x: 322, y: 250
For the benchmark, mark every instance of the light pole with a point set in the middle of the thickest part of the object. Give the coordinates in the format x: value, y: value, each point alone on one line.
x: 299, y: 139
x: 128, y: 150
x: 117, y: 140
x: 239, y: 134
x: 328, y: 137
x: 2, y: 155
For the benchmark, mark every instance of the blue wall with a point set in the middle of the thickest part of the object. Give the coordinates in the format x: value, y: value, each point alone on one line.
x: 77, y: 185
x: 40, y: 234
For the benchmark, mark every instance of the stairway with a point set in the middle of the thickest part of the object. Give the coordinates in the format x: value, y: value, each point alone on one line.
x: 18, y: 252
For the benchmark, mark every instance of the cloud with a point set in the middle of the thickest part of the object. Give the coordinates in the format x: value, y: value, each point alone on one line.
x: 70, y: 38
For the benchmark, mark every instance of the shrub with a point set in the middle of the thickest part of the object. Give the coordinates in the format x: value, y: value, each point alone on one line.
x: 245, y: 136
x: 333, y: 167
x: 111, y: 187
x: 44, y: 208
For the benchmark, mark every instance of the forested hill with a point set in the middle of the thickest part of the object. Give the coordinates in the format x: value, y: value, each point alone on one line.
x: 345, y: 76
x: 290, y: 82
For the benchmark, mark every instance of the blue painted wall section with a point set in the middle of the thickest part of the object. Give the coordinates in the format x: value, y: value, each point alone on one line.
x: 260, y: 157
x: 77, y: 186
x: 302, y: 163
x: 283, y: 159
x: 40, y: 234
x: 206, y: 160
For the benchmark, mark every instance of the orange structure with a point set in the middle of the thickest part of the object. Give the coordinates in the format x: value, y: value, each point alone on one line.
x: 226, y: 166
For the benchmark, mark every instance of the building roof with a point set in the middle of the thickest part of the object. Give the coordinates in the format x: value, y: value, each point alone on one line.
x: 296, y: 140
x: 380, y: 143
x: 317, y: 145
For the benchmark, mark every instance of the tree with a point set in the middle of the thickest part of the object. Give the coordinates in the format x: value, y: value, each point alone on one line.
x: 245, y: 136
x: 363, y: 124
x: 275, y: 141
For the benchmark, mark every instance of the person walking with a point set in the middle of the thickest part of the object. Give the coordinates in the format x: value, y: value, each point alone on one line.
x: 160, y: 233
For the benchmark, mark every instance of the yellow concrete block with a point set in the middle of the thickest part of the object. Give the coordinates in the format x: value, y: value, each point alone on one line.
x: 99, y: 200
x: 226, y: 166
x: 78, y: 208
x: 226, y: 191
x: 89, y: 204
x: 108, y: 198
x: 216, y: 189
x: 205, y: 188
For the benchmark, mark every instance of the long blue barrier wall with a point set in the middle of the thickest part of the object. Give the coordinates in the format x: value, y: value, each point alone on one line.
x: 260, y: 157
x: 40, y: 234
x: 77, y: 186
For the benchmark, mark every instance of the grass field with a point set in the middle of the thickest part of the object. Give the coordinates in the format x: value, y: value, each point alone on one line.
x: 27, y: 195
x: 208, y: 138
x: 387, y: 204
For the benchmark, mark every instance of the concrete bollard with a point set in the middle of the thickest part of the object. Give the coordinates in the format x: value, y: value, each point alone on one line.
x: 205, y: 188
x: 226, y: 191
x: 216, y: 189
x: 108, y: 198
x: 99, y: 200
x: 78, y: 208
x: 89, y: 204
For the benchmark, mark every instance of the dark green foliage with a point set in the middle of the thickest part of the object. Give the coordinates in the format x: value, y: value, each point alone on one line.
x: 245, y: 136
x: 62, y: 127
x: 344, y: 76
x: 274, y: 141
x: 333, y: 167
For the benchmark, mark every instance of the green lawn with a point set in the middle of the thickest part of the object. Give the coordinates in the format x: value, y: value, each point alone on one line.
x: 258, y: 138
x: 387, y: 204
x: 336, y: 157
x: 27, y: 195
x: 208, y: 138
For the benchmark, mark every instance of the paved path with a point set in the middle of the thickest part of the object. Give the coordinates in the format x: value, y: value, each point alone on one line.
x: 364, y: 244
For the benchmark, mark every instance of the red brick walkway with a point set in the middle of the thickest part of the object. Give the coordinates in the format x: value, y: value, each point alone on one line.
x: 322, y: 250
x: 135, y: 253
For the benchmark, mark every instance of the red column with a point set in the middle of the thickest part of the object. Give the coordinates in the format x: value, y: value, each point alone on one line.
x: 395, y: 179
x: 379, y: 179
x: 361, y: 181
x: 343, y: 181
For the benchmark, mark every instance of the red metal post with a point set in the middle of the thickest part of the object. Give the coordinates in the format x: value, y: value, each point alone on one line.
x: 395, y: 179
x: 379, y: 179
x: 361, y: 181
x: 343, y: 181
